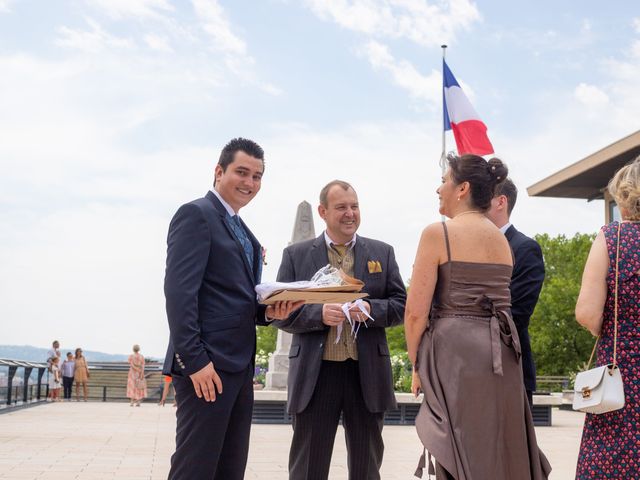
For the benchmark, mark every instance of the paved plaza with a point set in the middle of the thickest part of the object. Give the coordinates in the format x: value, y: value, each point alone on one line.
x: 112, y: 440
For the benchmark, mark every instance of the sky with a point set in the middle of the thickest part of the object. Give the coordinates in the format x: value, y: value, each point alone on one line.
x: 113, y: 114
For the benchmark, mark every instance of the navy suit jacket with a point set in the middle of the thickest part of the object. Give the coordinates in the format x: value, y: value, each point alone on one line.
x: 209, y: 288
x: 526, y: 283
x: 387, y: 297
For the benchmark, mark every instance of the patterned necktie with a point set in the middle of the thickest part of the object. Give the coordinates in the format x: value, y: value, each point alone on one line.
x: 242, y: 237
x: 341, y: 249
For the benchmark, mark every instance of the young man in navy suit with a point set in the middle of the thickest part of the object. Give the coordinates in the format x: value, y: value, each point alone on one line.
x: 526, y: 279
x: 213, y: 264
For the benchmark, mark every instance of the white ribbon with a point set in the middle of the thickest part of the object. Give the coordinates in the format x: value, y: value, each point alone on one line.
x: 355, y: 325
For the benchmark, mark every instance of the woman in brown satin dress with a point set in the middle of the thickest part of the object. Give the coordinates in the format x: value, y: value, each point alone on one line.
x: 475, y: 419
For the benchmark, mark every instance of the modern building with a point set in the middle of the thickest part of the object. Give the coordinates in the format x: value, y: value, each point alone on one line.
x: 588, y: 178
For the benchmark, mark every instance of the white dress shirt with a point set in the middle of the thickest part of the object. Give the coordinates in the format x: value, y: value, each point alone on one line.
x: 226, y: 206
x: 350, y: 244
x: 504, y: 228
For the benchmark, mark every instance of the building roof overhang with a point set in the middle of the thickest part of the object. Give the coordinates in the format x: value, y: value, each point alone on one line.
x: 589, y: 177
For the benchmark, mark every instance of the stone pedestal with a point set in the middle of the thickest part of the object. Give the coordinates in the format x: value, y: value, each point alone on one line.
x: 276, y: 378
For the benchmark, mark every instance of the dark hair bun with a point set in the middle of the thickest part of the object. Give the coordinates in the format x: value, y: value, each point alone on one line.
x: 497, y: 170
x: 484, y: 177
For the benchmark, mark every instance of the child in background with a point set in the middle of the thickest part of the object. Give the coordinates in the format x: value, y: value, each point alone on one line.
x: 54, y: 379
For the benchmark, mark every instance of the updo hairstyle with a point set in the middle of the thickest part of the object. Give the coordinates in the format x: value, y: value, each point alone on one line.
x: 483, y: 177
x: 624, y: 187
x: 136, y: 348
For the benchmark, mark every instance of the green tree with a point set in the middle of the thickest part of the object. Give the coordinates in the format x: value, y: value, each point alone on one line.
x: 560, y: 345
x: 266, y: 339
x: 396, y: 340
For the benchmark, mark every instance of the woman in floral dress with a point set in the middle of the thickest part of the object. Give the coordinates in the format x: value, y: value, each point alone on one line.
x: 136, y: 383
x: 610, y: 446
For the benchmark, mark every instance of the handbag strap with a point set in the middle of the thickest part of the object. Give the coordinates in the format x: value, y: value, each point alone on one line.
x: 615, y: 299
x: 615, y: 309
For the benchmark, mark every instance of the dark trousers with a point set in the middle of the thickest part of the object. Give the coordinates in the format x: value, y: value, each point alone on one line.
x: 337, y: 392
x: 67, y: 384
x: 212, y: 438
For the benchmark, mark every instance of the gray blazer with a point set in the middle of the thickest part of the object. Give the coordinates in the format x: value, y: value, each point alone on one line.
x: 387, y: 296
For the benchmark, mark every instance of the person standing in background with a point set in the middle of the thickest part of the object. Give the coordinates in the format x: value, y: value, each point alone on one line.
x: 81, y: 375
x: 136, y: 383
x: 54, y: 379
x: 54, y: 351
x: 166, y: 386
x: 527, y: 277
x: 68, y: 370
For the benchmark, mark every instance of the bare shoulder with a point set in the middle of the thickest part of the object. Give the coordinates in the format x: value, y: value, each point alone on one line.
x: 599, y: 247
x: 432, y: 235
x: 432, y: 244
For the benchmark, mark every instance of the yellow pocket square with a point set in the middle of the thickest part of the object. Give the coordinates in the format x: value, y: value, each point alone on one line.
x: 374, y: 266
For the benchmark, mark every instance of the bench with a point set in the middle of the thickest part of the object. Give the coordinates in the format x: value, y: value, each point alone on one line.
x: 270, y: 407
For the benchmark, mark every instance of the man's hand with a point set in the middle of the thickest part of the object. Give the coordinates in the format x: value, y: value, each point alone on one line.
x: 332, y: 314
x: 357, y: 315
x: 282, y: 310
x: 204, y: 381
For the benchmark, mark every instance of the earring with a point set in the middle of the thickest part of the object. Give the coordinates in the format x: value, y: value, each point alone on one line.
x: 458, y: 198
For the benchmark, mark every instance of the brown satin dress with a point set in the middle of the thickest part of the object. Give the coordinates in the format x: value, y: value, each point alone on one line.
x: 475, y: 419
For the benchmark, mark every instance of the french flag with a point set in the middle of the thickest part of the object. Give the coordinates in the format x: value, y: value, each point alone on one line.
x: 468, y: 130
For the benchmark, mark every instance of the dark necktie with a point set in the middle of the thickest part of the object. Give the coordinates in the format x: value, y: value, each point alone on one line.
x: 242, y: 237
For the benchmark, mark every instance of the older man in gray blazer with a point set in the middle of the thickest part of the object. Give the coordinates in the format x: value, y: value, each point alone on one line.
x: 333, y: 372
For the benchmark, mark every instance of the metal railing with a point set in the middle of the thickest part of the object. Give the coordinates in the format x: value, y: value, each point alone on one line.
x: 24, y: 383
x: 552, y: 383
x: 25, y: 388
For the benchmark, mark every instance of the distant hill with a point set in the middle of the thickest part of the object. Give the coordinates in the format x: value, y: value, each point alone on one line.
x: 37, y: 354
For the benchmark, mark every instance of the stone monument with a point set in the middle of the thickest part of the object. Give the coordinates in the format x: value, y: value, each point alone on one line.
x: 276, y: 378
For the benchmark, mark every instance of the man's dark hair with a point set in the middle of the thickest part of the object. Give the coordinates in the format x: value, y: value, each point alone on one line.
x: 483, y: 176
x: 509, y: 190
x: 239, y: 144
x: 325, y: 190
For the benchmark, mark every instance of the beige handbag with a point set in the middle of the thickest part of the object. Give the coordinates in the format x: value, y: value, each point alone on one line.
x: 600, y: 390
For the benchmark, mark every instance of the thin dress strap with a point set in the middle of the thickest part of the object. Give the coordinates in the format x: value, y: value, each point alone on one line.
x: 446, y: 241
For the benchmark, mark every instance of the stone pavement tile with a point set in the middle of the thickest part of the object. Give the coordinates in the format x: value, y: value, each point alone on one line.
x: 106, y: 441
x: 57, y: 476
x: 93, y: 476
x: 21, y: 474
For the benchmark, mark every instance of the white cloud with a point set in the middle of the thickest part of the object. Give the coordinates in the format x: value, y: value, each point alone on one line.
x: 5, y: 6
x: 420, y: 21
x: 636, y: 24
x: 404, y: 74
x: 157, y: 42
x: 133, y: 8
x: 217, y: 26
x: 591, y: 96
x: 92, y: 41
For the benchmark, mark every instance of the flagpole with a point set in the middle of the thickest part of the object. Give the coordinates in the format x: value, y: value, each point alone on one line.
x: 444, y: 138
